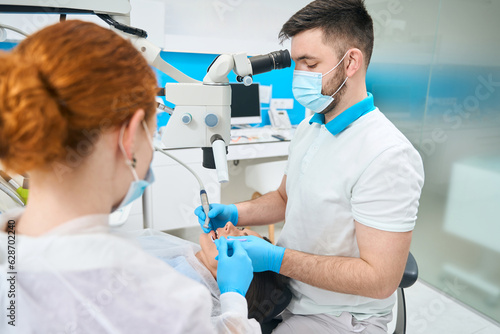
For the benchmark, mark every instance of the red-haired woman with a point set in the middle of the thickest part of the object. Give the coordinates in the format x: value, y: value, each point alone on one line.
x: 77, y: 112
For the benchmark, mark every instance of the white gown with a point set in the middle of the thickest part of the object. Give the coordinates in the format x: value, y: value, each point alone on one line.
x: 80, y: 278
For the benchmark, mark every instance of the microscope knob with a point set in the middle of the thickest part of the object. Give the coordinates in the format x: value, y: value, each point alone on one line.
x: 247, y: 80
x: 211, y: 120
x: 186, y: 118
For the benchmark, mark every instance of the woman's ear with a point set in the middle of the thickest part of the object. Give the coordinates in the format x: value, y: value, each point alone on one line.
x: 354, y: 62
x: 130, y: 133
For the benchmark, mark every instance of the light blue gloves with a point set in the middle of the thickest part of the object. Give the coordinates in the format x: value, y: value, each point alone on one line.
x: 265, y: 256
x: 219, y: 215
x: 234, y: 271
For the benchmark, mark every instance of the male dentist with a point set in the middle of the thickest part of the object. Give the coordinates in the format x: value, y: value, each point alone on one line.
x: 351, y: 188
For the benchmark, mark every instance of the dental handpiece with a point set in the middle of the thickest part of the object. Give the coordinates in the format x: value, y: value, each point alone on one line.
x: 206, y: 206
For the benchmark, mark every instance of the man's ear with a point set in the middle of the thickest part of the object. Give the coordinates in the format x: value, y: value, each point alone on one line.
x: 131, y: 131
x: 354, y: 61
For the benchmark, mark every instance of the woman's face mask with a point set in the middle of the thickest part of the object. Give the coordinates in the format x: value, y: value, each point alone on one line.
x: 137, y: 186
x: 307, y: 87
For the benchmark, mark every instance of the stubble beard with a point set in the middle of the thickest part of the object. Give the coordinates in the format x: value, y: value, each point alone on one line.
x: 331, y: 87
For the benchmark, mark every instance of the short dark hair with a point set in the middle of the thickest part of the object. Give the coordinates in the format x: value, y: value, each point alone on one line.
x: 268, y: 295
x: 345, y: 21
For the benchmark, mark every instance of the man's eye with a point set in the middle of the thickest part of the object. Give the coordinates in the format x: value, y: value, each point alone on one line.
x: 240, y: 228
x: 312, y: 66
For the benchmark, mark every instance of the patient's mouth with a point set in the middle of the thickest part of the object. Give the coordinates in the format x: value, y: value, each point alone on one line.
x: 213, y: 235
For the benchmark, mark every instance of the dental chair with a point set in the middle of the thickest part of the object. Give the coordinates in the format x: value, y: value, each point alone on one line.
x: 409, y: 278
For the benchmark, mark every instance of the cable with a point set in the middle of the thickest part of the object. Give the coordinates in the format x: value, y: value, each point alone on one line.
x: 202, y: 187
x: 19, y: 31
x: 125, y: 28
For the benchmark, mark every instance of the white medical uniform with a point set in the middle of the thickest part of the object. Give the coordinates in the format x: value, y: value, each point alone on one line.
x: 357, y: 167
x: 79, y: 278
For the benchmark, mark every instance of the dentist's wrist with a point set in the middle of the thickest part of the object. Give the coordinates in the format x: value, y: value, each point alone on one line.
x: 277, y: 259
x: 234, y: 214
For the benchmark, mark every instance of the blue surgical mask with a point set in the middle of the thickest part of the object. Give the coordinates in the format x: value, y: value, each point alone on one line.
x: 137, y: 186
x: 307, y: 88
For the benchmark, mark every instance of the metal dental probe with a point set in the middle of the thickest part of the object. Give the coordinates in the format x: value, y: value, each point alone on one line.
x: 206, y: 206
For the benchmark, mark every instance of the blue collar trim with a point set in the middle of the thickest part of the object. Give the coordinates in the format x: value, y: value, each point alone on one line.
x: 342, y: 121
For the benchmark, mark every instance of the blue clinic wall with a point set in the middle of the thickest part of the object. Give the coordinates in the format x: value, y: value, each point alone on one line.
x: 6, y: 45
x: 392, y: 85
x: 396, y: 85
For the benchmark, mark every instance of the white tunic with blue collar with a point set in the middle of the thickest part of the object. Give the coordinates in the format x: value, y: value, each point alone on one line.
x: 358, y: 166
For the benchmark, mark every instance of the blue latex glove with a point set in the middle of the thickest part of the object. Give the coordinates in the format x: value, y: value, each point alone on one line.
x: 219, y: 215
x: 265, y: 256
x: 234, y: 270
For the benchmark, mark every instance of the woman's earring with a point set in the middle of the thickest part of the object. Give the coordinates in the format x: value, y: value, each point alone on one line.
x: 134, y: 161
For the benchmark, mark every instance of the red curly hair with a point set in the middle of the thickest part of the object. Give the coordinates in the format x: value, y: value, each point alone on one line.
x: 62, y: 86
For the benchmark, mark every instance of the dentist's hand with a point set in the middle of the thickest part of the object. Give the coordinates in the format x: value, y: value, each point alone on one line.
x: 234, y: 271
x: 265, y: 256
x: 219, y: 215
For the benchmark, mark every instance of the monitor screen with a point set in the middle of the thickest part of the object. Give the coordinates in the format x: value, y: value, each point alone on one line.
x: 245, y: 104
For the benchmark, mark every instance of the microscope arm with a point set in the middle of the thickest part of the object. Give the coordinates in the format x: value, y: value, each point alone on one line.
x: 152, y: 54
x: 171, y: 71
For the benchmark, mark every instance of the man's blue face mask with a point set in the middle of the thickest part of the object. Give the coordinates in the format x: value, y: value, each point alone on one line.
x: 307, y: 87
x: 137, y: 186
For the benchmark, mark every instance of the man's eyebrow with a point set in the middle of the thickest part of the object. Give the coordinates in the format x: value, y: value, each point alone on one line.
x: 305, y: 57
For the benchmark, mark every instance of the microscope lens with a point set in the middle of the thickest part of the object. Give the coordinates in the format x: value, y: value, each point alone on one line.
x: 272, y: 61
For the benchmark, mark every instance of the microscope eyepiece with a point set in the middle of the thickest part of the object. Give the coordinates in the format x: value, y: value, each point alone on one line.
x: 272, y: 61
